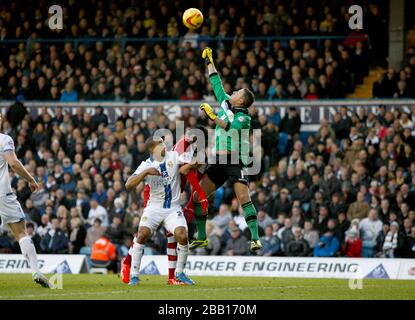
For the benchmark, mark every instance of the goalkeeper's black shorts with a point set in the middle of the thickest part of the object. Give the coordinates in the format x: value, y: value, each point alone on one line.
x: 220, y: 173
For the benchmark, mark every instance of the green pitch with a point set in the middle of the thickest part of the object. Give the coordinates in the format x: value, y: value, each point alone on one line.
x: 94, y: 286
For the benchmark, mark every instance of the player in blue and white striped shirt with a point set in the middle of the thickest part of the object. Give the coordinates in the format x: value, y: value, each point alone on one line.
x: 161, y: 174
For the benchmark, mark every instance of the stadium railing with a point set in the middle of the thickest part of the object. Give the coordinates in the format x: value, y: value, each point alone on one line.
x: 217, y: 41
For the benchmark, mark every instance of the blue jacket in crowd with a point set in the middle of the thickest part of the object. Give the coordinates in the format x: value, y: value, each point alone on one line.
x: 327, y: 246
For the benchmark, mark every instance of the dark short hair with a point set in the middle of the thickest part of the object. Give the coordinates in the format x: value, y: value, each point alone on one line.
x: 248, y: 97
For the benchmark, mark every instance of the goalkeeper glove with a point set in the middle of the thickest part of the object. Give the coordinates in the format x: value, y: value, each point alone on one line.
x: 208, y: 110
x: 207, y: 55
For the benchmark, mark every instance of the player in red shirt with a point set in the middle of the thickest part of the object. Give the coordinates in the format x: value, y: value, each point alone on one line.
x: 193, y: 177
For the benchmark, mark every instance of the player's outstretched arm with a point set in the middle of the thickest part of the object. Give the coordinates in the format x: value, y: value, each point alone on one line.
x: 135, y: 180
x: 18, y: 168
x: 214, y: 78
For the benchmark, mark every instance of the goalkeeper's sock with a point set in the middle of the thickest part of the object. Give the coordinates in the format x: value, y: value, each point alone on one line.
x: 251, y: 219
x: 171, y: 254
x: 200, y: 222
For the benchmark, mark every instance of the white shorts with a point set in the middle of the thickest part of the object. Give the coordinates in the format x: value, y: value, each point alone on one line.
x: 171, y: 218
x: 10, y: 209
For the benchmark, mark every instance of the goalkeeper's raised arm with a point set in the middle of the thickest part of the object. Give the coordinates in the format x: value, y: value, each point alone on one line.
x: 214, y: 78
x: 238, y: 102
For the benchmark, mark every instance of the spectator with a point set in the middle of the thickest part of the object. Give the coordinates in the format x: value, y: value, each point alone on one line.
x: 370, y: 228
x: 117, y: 210
x: 393, y: 242
x: 68, y: 184
x: 236, y: 245
x: 97, y: 211
x: 281, y: 204
x: 6, y: 241
x: 55, y: 240
x: 94, y: 232
x: 343, y: 225
x: 99, y: 117
x: 286, y: 234
x: 270, y: 243
x: 327, y: 246
x: 116, y: 231
x: 321, y: 222
x: 297, y: 217
x: 302, y: 193
x: 409, y: 246
x: 407, y: 226
x: 224, y: 216
x: 69, y: 94
x: 32, y: 213
x: 30, y: 229
x: 264, y: 219
x: 291, y: 123
x: 358, y: 209
x: 337, y: 205
x: 104, y: 253
x: 310, y: 235
x: 381, y: 239
x: 353, y: 244
x: 125, y: 157
x: 77, y: 236
x: 44, y: 225
x: 298, y: 247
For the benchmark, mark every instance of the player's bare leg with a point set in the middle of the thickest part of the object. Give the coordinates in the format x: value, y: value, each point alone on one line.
x: 250, y: 214
x: 29, y: 252
x: 137, y: 254
x: 209, y: 188
x: 180, y: 234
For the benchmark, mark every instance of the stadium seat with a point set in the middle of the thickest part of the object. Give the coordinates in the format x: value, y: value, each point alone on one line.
x: 99, y: 270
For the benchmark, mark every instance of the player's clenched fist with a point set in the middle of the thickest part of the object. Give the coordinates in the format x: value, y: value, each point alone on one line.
x: 208, y: 110
x: 34, y: 187
x: 207, y: 55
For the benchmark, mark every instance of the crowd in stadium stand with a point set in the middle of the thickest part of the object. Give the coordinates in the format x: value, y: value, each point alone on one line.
x: 348, y: 190
x: 397, y: 83
x: 155, y: 70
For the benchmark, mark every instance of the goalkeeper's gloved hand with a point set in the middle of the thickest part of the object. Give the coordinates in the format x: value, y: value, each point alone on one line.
x: 207, y: 55
x: 208, y: 110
